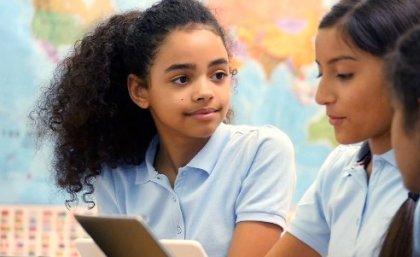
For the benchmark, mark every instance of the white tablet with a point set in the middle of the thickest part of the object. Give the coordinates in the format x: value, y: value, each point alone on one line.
x: 116, y: 236
x: 87, y: 248
x: 183, y: 248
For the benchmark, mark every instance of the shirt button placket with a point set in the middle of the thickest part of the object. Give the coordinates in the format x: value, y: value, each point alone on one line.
x: 178, y: 230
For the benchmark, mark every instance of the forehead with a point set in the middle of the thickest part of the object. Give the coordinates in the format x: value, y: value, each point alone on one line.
x: 332, y: 40
x: 189, y: 29
x: 331, y: 43
x: 188, y: 42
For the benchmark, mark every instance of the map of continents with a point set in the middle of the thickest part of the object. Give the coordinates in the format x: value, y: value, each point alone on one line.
x: 276, y: 83
x: 273, y: 48
x: 35, y: 35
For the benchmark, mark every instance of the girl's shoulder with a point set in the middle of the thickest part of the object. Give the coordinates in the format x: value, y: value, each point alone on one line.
x: 259, y: 133
x: 265, y: 139
x: 123, y: 174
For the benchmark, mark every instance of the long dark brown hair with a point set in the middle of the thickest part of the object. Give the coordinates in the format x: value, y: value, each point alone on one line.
x: 374, y: 26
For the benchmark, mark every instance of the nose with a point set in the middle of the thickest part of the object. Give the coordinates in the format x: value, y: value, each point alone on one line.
x: 324, y: 93
x: 203, y: 91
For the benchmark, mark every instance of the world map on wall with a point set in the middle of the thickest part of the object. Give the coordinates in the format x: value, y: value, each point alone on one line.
x: 276, y: 82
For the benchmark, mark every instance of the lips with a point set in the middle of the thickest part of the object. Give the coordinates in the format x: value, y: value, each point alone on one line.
x: 203, y: 111
x: 204, y: 114
x: 335, y: 120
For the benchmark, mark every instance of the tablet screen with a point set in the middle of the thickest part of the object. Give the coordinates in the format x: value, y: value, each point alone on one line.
x: 122, y: 236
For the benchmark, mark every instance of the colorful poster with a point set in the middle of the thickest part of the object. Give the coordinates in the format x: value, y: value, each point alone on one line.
x: 276, y: 82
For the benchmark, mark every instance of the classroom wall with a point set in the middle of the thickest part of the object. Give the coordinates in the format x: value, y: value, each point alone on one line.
x: 275, y: 85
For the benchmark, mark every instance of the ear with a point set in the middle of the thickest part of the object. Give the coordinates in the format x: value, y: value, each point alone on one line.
x: 138, y: 91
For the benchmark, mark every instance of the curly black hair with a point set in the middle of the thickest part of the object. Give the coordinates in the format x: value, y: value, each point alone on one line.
x: 87, y: 111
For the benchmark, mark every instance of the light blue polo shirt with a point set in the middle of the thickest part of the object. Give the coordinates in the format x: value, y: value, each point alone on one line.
x: 243, y: 173
x: 343, y: 214
x: 416, y: 231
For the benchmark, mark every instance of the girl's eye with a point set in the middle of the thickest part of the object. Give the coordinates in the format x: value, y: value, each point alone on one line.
x: 345, y: 76
x: 319, y: 71
x: 219, y: 75
x: 181, y: 80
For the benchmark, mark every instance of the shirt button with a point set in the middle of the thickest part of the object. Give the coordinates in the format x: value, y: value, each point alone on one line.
x: 174, y: 198
x: 178, y: 230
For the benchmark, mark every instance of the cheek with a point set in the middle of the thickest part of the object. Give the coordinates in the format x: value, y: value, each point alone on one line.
x: 380, y: 113
x: 407, y: 152
x: 397, y: 132
x: 228, y: 97
x: 408, y: 164
x: 224, y: 93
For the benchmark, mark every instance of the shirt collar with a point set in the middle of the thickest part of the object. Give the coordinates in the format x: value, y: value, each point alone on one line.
x: 365, y: 154
x: 146, y: 171
x: 204, y: 160
x: 388, y: 157
x: 207, y: 157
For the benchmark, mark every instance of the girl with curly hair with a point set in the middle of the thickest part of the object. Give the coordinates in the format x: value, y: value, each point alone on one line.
x: 137, y: 114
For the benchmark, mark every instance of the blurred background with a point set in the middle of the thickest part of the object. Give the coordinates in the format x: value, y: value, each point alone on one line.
x: 275, y: 84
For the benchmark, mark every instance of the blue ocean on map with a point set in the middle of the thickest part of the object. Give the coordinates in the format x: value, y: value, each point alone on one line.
x: 27, y: 62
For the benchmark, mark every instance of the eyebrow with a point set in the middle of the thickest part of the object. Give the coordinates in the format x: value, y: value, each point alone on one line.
x: 218, y: 62
x: 190, y: 66
x: 340, y: 58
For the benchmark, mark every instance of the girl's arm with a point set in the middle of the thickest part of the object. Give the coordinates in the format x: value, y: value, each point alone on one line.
x: 253, y: 239
x: 290, y: 246
x: 263, y: 203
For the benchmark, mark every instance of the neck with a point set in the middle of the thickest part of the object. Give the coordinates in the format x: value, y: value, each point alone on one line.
x: 380, y: 145
x: 174, y: 154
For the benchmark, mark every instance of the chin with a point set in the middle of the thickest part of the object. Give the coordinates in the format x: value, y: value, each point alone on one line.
x: 347, y: 138
x: 206, y: 132
x: 346, y: 141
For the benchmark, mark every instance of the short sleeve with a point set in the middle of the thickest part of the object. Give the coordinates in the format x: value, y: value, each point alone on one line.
x: 310, y: 223
x: 267, y: 190
x: 104, y: 193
